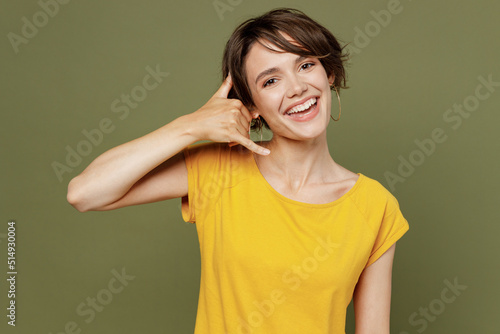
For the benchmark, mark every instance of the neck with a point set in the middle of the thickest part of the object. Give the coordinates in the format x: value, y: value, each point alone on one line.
x: 300, y: 162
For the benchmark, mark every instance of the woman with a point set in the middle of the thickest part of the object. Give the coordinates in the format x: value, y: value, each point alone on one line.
x: 288, y: 237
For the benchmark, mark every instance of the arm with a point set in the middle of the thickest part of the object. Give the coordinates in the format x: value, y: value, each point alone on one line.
x: 372, y: 296
x: 152, y: 168
x: 143, y: 170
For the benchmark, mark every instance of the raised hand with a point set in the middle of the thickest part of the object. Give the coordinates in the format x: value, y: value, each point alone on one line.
x: 225, y: 120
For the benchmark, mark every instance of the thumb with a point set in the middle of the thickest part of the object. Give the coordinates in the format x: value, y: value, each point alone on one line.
x: 226, y: 86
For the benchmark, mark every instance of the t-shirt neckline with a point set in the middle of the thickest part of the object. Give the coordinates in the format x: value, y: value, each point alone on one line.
x: 310, y: 205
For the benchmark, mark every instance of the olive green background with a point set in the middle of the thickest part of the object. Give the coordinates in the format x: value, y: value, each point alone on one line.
x: 403, y: 78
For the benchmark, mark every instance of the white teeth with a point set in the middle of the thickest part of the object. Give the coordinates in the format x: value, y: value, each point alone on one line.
x: 303, y: 106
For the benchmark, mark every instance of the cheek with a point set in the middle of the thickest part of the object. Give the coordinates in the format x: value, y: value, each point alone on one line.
x: 269, y: 102
x: 321, y: 79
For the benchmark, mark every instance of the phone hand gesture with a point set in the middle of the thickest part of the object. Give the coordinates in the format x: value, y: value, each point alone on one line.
x: 226, y: 120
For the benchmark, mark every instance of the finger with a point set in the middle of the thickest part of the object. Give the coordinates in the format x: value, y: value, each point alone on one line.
x: 250, y: 144
x: 243, y: 128
x: 226, y: 86
x: 245, y: 133
x: 243, y: 124
x: 244, y: 119
x: 247, y: 114
x: 254, y: 147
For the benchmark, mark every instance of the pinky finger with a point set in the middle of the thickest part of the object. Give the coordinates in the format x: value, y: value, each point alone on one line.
x: 252, y: 146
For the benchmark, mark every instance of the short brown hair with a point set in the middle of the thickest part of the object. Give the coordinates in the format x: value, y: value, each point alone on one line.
x: 316, y: 41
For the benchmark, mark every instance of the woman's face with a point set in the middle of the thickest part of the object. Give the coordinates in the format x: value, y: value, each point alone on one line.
x: 284, y: 82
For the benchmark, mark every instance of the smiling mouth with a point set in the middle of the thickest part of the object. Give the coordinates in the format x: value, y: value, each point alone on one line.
x: 304, y: 109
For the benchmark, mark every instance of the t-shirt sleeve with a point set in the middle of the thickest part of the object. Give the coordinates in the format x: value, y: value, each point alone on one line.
x: 393, y: 226
x: 203, y: 163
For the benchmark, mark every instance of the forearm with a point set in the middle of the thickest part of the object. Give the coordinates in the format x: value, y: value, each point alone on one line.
x: 113, y: 173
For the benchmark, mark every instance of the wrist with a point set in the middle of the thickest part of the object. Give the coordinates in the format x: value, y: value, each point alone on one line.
x: 186, y: 126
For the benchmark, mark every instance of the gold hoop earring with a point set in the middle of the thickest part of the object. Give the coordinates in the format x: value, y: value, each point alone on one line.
x: 260, y: 126
x: 258, y: 123
x: 340, y: 107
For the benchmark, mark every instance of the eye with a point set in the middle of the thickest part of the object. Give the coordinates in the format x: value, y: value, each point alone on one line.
x: 306, y: 65
x: 268, y: 82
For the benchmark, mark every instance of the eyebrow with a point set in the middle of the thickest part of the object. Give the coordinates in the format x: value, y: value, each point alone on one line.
x: 276, y: 69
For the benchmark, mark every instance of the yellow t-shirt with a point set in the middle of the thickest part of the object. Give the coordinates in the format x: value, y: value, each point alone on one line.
x: 270, y: 264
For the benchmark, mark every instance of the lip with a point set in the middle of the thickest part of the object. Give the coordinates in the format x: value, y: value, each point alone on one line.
x: 300, y: 102
x: 312, y: 114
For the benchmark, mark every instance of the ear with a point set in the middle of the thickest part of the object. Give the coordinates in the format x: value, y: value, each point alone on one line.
x: 331, y: 79
x: 254, y: 112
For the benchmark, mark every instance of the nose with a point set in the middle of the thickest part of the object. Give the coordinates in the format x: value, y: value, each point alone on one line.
x: 296, y: 86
